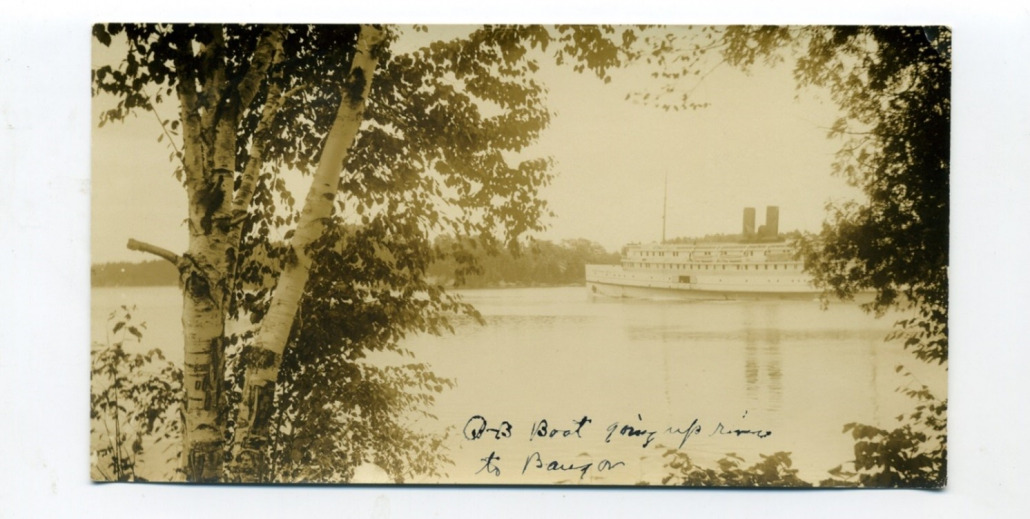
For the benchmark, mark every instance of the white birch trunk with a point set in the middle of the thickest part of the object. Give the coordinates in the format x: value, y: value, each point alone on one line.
x: 263, y: 358
x: 202, y: 315
x: 210, y: 123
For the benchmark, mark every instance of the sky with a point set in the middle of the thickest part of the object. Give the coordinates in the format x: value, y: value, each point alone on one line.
x: 759, y: 142
x: 45, y: 231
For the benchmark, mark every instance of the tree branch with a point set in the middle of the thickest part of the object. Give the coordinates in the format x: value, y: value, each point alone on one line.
x: 267, y: 53
x: 153, y: 249
x: 212, y: 63
x: 261, y: 364
x: 273, y: 103
x: 236, y: 98
x: 164, y: 127
x: 189, y: 115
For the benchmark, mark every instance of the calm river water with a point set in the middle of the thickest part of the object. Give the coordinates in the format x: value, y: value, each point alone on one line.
x: 787, y: 375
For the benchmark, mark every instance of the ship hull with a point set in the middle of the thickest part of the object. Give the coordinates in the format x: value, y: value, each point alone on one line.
x: 761, y: 265
x: 613, y: 281
x: 601, y: 289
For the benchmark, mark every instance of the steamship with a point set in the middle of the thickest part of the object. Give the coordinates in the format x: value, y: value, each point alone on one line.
x: 760, y: 265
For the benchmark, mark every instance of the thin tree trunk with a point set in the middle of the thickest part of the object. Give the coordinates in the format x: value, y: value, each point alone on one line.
x: 202, y: 317
x: 210, y: 120
x: 203, y: 270
x: 263, y: 358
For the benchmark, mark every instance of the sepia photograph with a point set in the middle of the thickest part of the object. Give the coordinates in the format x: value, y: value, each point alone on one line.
x: 587, y: 255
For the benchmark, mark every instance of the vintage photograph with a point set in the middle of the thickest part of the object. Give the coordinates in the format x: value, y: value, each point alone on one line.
x: 700, y: 256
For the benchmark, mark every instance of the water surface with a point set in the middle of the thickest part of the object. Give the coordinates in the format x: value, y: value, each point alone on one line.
x: 787, y: 373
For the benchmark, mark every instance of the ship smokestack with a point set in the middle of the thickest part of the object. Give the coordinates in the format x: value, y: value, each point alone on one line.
x: 772, y: 221
x: 749, y: 223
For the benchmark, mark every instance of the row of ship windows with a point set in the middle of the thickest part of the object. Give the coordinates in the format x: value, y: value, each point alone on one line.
x: 692, y: 279
x: 689, y: 279
x: 714, y: 267
x: 750, y: 253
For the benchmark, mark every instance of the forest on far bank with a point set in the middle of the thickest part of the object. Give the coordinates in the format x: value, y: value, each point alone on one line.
x: 540, y: 263
x: 126, y: 274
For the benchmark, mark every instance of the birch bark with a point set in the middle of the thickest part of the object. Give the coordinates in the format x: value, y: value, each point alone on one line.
x: 263, y: 358
x: 210, y: 119
x: 202, y: 319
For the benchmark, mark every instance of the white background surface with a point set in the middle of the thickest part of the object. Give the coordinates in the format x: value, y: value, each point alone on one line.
x: 44, y: 282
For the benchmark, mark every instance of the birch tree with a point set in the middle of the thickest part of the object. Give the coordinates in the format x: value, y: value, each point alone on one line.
x: 398, y: 146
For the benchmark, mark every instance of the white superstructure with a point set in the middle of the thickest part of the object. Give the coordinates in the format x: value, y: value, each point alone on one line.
x: 704, y: 270
x: 760, y: 266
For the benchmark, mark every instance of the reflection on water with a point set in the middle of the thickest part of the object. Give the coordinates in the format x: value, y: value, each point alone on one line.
x: 762, y: 369
x: 746, y: 335
x: 555, y: 354
x: 788, y: 367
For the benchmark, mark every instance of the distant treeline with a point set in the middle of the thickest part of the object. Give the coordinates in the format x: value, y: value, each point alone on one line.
x: 538, y: 264
x: 541, y: 263
x: 125, y: 274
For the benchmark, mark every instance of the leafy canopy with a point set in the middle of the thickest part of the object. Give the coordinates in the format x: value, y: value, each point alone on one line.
x: 440, y: 151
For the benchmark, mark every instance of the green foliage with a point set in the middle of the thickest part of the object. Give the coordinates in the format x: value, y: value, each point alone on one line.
x: 135, y: 400
x: 773, y: 471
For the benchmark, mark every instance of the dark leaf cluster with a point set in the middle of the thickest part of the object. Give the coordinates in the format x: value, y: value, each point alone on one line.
x: 771, y: 472
x: 894, y: 86
x: 348, y: 392
x: 912, y: 455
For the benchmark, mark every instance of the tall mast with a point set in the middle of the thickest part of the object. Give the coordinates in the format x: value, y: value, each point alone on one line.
x: 665, y: 204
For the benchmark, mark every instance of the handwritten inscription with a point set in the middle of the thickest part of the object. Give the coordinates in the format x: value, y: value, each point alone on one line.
x: 489, y: 466
x: 542, y: 430
x: 629, y: 433
x: 476, y: 427
x: 721, y: 429
x: 693, y: 428
x: 536, y: 461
